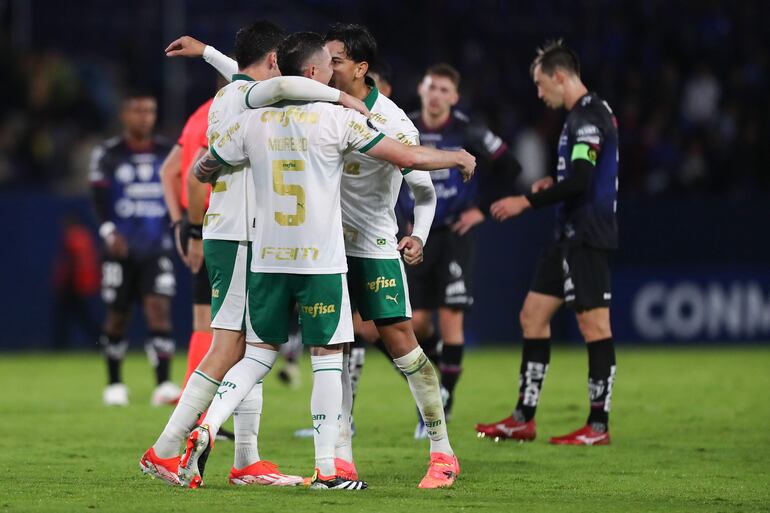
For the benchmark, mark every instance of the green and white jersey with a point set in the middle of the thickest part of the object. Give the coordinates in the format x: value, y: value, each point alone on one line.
x: 370, y: 186
x: 232, y: 206
x: 296, y: 151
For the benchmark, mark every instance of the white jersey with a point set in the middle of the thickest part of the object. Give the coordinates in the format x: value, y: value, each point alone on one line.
x: 232, y: 203
x: 370, y: 186
x: 296, y: 151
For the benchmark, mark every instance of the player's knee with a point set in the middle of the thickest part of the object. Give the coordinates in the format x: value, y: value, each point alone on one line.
x: 156, y: 311
x: 423, y: 330
x: 531, y: 322
x: 115, y: 323
x: 594, y: 327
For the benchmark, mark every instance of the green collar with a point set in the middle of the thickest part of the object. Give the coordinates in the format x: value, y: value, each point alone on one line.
x: 241, y: 76
x: 373, y: 94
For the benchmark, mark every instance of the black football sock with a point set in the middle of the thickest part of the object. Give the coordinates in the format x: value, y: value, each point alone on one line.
x: 160, y: 349
x: 430, y: 346
x: 601, y: 377
x: 356, y: 364
x: 451, y: 368
x: 535, y: 357
x: 114, y: 351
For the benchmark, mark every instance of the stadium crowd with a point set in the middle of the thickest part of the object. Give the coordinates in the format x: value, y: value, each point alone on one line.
x: 687, y: 84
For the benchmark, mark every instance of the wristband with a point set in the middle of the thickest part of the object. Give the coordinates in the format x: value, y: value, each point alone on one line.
x: 106, y: 229
x: 195, y: 231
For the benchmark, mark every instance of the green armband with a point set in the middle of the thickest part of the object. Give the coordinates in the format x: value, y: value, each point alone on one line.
x: 585, y: 152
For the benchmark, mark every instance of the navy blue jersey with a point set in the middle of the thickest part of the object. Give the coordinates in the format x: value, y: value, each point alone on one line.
x: 590, y: 217
x: 452, y: 194
x: 127, y: 184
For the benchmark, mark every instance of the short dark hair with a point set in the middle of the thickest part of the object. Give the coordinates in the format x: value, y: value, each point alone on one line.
x: 296, y: 49
x: 138, y: 92
x: 383, y: 69
x: 554, y: 54
x: 255, y: 41
x: 443, y: 69
x: 359, y: 43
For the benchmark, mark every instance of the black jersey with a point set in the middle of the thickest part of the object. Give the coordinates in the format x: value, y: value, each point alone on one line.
x: 453, y: 195
x: 128, y: 180
x: 590, y: 217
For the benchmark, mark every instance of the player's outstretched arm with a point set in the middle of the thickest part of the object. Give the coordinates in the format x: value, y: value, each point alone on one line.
x: 268, y: 92
x: 546, y: 194
x: 187, y: 46
x: 422, y: 157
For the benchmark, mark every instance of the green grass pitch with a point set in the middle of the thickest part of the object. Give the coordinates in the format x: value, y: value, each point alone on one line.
x: 690, y: 427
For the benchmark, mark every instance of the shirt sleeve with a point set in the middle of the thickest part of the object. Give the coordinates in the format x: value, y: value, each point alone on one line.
x: 228, y: 147
x: 358, y: 133
x: 268, y: 92
x: 424, y: 203
x: 226, y: 66
x: 409, y: 135
x: 587, y: 140
x: 97, y: 173
x: 483, y: 142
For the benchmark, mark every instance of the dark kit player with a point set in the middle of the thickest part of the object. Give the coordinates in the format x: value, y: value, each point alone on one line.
x: 443, y: 280
x: 128, y: 199
x: 574, y: 268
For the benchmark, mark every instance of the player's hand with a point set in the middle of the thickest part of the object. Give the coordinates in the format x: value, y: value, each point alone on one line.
x: 466, y: 163
x: 509, y: 207
x: 185, y: 46
x: 177, y: 234
x: 542, y: 184
x: 468, y: 220
x: 351, y: 102
x: 412, y: 249
x: 195, y: 254
x: 116, y: 244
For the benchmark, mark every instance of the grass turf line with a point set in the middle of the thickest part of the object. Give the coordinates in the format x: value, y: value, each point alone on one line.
x: 689, y: 430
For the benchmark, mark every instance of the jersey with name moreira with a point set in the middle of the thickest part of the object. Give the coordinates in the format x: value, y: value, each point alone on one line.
x: 135, y: 194
x: 453, y: 196
x: 231, y: 211
x: 370, y: 186
x: 591, y: 217
x: 296, y: 152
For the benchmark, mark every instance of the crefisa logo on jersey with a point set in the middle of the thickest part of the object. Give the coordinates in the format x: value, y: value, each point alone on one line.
x: 319, y: 309
x: 381, y: 283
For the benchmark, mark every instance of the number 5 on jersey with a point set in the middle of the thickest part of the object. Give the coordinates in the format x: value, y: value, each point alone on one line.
x: 279, y: 167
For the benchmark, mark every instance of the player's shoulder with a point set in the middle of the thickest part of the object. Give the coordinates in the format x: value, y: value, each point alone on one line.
x: 162, y: 143
x: 591, y: 105
x: 111, y: 146
x: 203, y: 110
x: 112, y: 143
x: 388, y: 114
x: 460, y: 117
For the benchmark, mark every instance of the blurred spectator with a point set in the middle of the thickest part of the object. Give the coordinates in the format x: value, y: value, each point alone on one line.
x: 701, y: 96
x: 689, y: 79
x: 76, y: 279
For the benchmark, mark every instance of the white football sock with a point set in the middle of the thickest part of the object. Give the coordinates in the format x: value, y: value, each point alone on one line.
x: 237, y: 383
x: 246, y: 419
x: 195, y: 399
x: 344, y: 447
x: 325, y: 408
x: 426, y: 391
